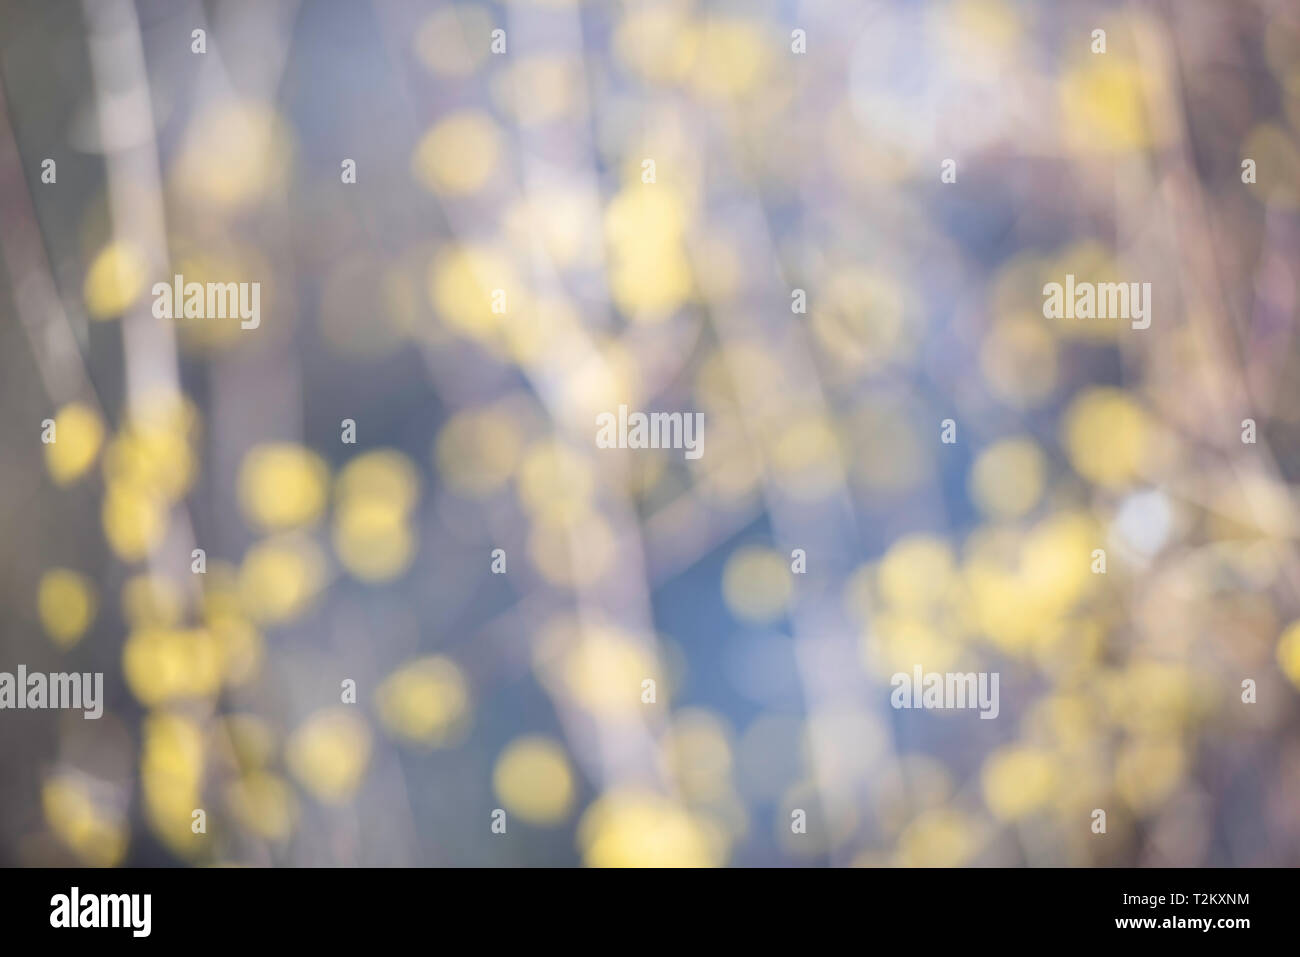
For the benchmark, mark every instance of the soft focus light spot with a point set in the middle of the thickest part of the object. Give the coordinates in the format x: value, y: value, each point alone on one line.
x: 917, y: 572
x: 540, y: 89
x: 172, y: 762
x: 1148, y: 770
x: 477, y: 452
x: 282, y: 486
x: 756, y: 584
x: 167, y: 665
x: 328, y: 754
x: 1007, y: 479
x: 264, y: 804
x: 150, y: 601
x: 78, y: 434
x: 551, y: 334
x: 697, y: 749
x: 239, y: 648
x: 280, y: 577
x: 643, y: 829
x: 599, y: 668
x: 426, y: 702
x: 1106, y: 434
x: 555, y: 483
x: 373, y: 539
x: 657, y: 42
x: 250, y: 739
x: 860, y: 323
x: 1144, y: 522
x: 897, y: 641
x: 735, y: 60
x: 805, y: 458
x: 532, y: 778
x: 454, y: 39
x: 564, y: 215
x: 572, y: 555
x: 1288, y: 653
x: 939, y: 838
x: 462, y: 282
x: 598, y: 377
x: 375, y: 493
x: 733, y: 469
x: 458, y: 155
x: 649, y: 272
x: 1017, y: 781
x: 1102, y: 105
x: 1152, y: 697
x: 115, y: 280
x: 1021, y: 585
x: 97, y: 835
x: 385, y: 475
x: 151, y: 457
x: 234, y: 154
x: 134, y: 521
x: 978, y: 27
x: 66, y: 603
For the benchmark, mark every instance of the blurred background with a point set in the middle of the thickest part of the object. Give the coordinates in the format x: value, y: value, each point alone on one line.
x: 773, y: 171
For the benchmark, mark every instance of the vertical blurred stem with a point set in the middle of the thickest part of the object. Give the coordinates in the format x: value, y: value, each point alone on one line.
x: 36, y: 297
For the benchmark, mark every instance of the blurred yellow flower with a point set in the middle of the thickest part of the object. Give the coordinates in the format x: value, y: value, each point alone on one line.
x: 151, y: 601
x: 1288, y: 653
x: 385, y: 475
x: 1106, y: 436
x: 134, y: 520
x: 235, y: 153
x: 95, y: 833
x: 597, y: 667
x: 555, y: 482
x: 658, y: 42
x: 533, y: 780
x: 172, y: 764
x: 264, y: 804
x: 168, y: 665
x: 282, y: 486
x: 280, y: 577
x: 328, y: 754
x: 78, y: 434
x: 1008, y: 478
x: 373, y: 539
x: 66, y: 603
x: 917, y: 572
x: 1147, y: 770
x: 1102, y: 102
x: 151, y: 457
x: 474, y: 288
x: 643, y: 829
x: 1018, y: 781
x: 115, y: 280
x: 458, y: 155
x: 939, y: 838
x: 736, y: 60
x: 426, y: 702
